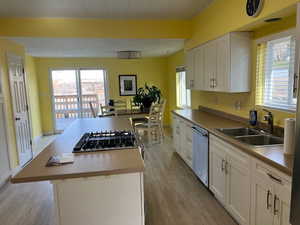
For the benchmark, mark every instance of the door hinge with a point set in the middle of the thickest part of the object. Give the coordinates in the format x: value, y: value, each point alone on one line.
x: 30, y: 142
x: 27, y: 108
x: 23, y: 70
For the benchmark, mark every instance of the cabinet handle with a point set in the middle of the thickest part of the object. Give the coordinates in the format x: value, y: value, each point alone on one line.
x: 275, y: 208
x: 275, y: 178
x: 223, y: 165
x: 268, y: 199
x: 226, y: 167
x: 295, y: 85
x: 210, y: 83
x: 215, y: 83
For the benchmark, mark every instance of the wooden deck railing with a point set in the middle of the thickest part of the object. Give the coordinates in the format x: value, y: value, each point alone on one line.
x: 68, y: 106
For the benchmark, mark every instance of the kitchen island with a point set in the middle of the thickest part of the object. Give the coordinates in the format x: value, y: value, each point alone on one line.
x: 99, y: 188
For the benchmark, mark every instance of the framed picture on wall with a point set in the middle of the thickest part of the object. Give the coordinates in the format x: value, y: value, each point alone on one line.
x: 127, y: 85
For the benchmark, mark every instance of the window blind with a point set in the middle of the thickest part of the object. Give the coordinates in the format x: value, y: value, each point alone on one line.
x: 275, y: 73
x: 183, y: 95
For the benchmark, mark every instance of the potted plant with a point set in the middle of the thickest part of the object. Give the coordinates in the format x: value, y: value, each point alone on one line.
x: 146, y: 95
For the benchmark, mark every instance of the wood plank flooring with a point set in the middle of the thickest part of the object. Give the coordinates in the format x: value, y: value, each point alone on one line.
x: 173, y: 196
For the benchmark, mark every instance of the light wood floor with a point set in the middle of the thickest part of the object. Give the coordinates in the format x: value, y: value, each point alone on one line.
x: 173, y: 196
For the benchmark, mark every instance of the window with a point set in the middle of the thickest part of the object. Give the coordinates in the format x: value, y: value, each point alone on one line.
x: 275, y: 73
x: 73, y: 91
x: 183, y: 95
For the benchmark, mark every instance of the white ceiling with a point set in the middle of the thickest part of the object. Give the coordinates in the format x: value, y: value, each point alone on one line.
x: 122, y: 9
x: 96, y: 47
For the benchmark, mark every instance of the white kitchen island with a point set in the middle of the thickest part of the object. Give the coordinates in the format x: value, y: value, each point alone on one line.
x: 99, y: 188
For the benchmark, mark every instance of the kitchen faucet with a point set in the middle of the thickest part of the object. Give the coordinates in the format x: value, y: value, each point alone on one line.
x: 270, y: 119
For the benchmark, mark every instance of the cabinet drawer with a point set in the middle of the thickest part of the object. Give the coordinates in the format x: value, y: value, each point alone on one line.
x: 236, y: 154
x: 265, y: 171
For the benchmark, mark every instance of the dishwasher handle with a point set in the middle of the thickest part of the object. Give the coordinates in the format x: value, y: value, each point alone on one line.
x: 204, y: 134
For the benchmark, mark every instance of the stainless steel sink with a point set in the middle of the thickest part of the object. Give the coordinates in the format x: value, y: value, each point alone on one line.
x: 261, y: 140
x: 241, y: 131
x: 252, y: 136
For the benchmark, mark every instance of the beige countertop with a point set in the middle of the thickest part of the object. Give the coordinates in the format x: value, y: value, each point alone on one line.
x: 272, y: 155
x: 85, y: 164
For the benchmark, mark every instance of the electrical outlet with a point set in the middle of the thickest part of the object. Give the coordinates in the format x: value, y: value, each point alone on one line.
x: 237, y: 105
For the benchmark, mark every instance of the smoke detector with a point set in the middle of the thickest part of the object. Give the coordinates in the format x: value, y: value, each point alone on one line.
x: 129, y: 54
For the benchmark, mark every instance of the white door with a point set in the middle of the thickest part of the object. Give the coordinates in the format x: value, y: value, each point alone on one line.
x: 223, y: 61
x: 4, y: 160
x: 210, y: 62
x: 217, y: 177
x: 199, y: 69
x: 20, y: 108
x: 190, y: 69
x: 282, y: 204
x: 262, y: 201
x: 238, y: 187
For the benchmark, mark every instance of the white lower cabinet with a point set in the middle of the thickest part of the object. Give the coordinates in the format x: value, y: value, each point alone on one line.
x: 250, y: 190
x: 230, y: 178
x: 217, y: 176
x: 183, y: 139
x: 271, y: 195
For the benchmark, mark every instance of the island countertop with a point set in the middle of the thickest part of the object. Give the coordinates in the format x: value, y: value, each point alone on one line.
x: 85, y: 164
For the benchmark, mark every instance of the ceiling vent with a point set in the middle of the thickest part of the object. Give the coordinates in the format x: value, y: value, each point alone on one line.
x: 129, y: 54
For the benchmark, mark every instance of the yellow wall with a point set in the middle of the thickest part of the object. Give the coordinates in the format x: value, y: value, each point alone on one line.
x: 9, y: 47
x: 150, y: 70
x: 94, y: 28
x: 33, y: 94
x: 224, y: 16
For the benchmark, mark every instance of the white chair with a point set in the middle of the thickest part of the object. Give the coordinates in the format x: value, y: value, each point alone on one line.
x: 154, y: 124
x: 133, y: 107
x: 107, y: 110
x: 93, y: 110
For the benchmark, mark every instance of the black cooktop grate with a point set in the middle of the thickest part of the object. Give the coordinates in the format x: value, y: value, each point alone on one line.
x: 107, y: 140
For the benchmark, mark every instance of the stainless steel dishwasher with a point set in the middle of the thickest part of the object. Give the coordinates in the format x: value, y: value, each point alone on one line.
x: 200, y: 154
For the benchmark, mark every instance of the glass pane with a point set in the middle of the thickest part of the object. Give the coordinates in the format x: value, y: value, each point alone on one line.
x: 278, y: 71
x: 92, y: 90
x: 66, y: 104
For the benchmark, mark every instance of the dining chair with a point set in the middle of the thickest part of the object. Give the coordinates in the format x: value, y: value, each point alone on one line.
x: 107, y: 110
x: 133, y: 106
x: 93, y: 110
x: 154, y: 124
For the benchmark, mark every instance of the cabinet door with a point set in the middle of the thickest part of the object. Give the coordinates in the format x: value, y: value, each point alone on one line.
x: 181, y: 138
x: 176, y: 134
x: 190, y: 69
x: 199, y: 69
x: 188, y: 145
x: 262, y: 201
x: 238, y: 185
x: 217, y: 176
x: 282, y: 204
x: 210, y: 61
x: 222, y: 77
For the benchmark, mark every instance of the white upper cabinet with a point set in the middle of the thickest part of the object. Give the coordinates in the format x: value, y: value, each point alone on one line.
x: 190, y: 67
x: 221, y: 65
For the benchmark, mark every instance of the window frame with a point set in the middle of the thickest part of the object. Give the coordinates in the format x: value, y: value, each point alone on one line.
x: 179, y: 82
x: 264, y: 40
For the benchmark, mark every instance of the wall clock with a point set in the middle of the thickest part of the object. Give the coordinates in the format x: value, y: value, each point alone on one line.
x: 254, y: 7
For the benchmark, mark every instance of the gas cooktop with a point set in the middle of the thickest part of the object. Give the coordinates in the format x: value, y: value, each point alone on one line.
x: 105, y: 140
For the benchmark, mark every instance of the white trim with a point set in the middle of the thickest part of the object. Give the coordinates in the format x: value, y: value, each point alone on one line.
x: 5, y: 176
x: 286, y: 33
